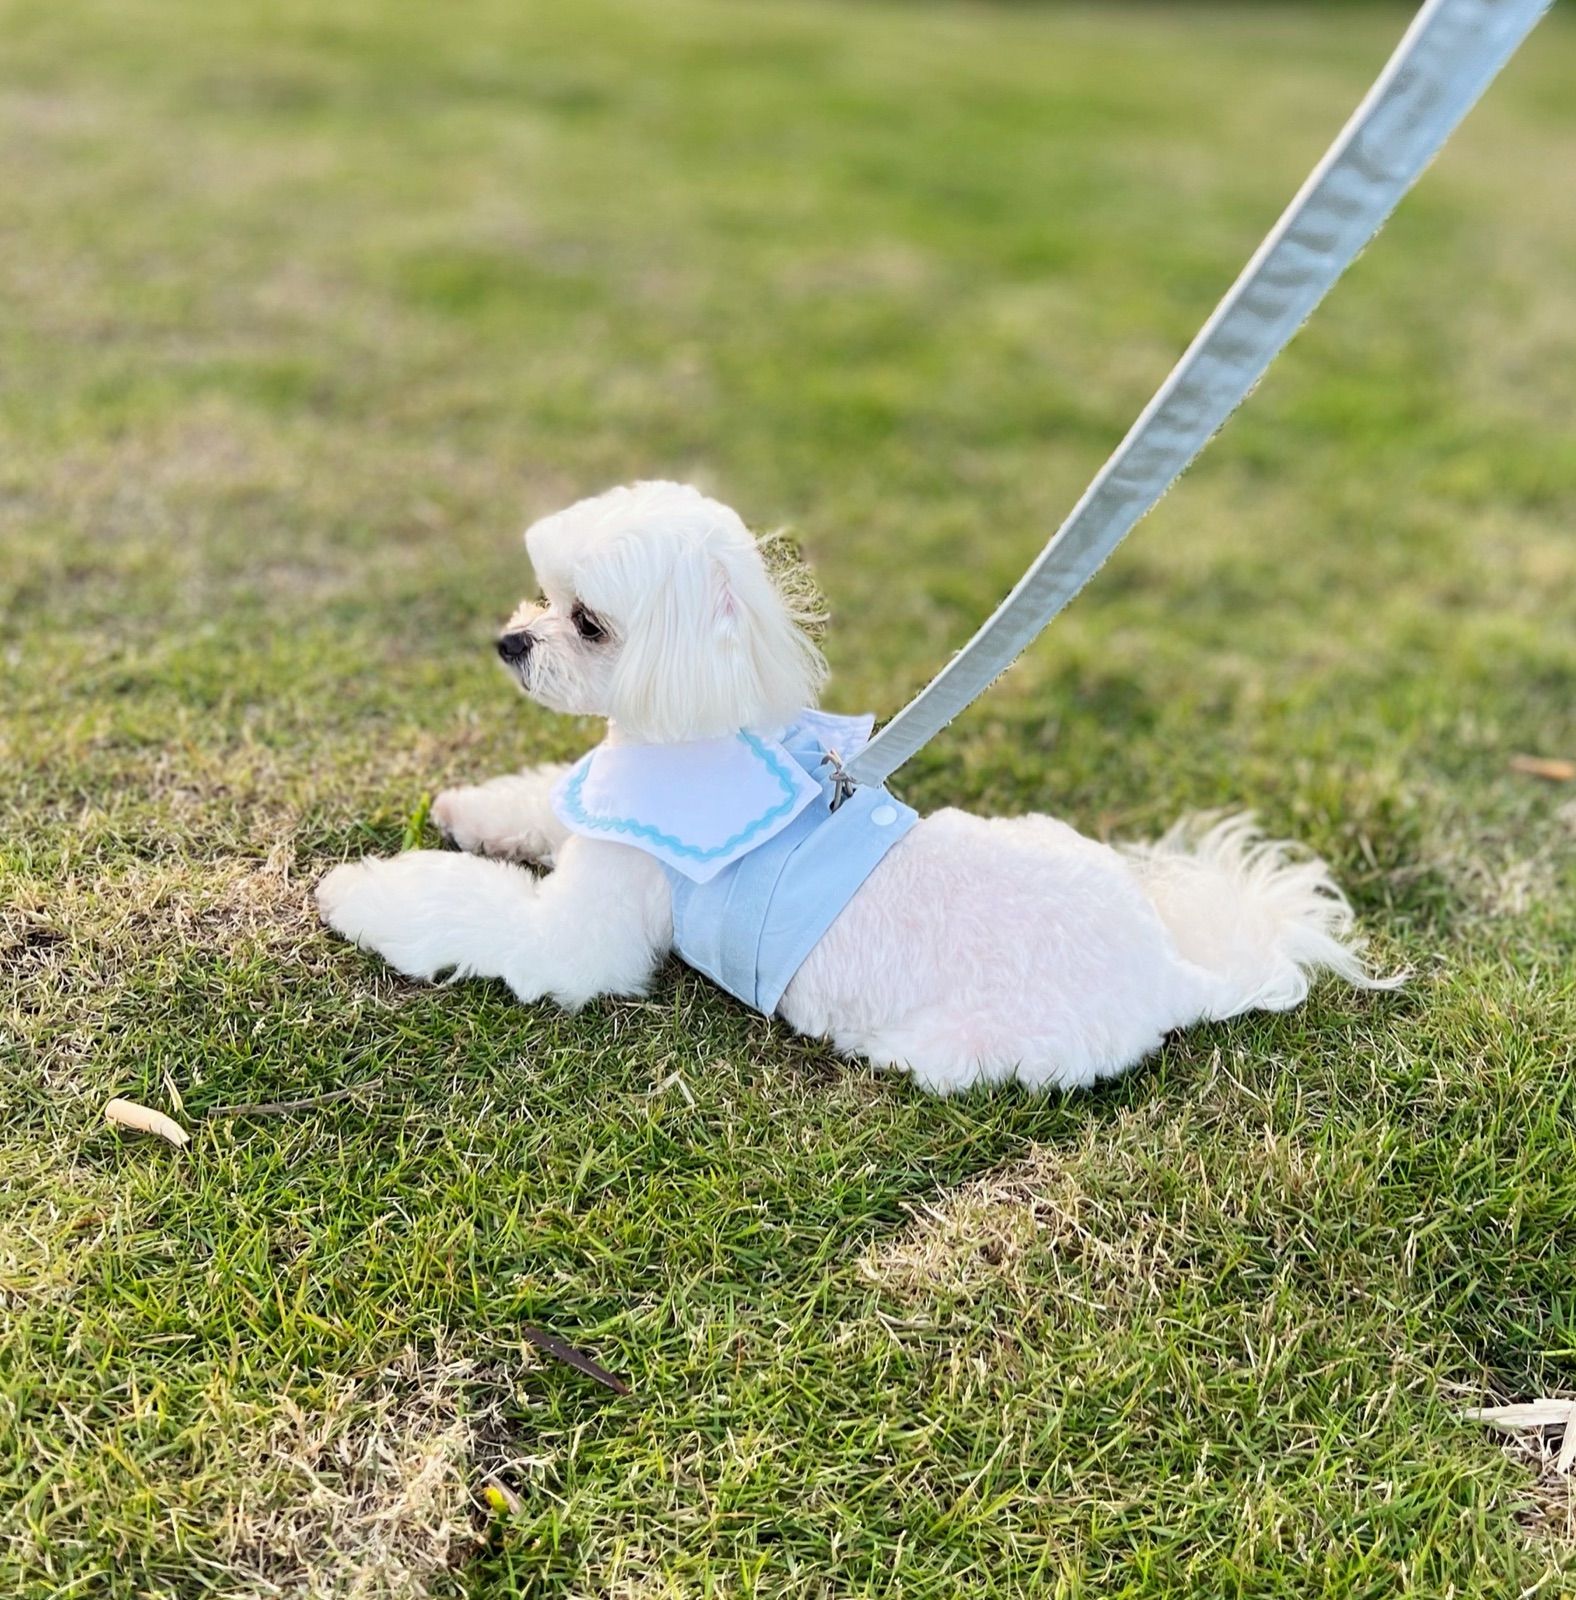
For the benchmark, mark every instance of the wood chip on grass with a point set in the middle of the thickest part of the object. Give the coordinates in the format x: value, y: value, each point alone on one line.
x: 1541, y: 1417
x: 1526, y: 1416
x: 1552, y: 769
x: 144, y: 1119
x: 1530, y: 1430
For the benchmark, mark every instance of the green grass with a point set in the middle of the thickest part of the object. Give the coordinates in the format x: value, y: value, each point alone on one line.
x: 307, y: 308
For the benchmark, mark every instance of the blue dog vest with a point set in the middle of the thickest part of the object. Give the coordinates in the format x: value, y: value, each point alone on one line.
x: 759, y: 862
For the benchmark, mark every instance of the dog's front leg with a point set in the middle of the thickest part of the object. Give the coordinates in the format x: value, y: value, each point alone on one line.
x: 510, y: 817
x: 600, y: 924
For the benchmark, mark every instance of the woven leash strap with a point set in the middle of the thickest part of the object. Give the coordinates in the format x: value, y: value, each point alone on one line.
x: 1451, y: 53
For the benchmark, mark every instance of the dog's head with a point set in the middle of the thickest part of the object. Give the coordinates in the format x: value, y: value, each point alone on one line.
x: 659, y: 613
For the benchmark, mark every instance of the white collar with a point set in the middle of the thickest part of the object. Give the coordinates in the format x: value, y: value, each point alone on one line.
x: 700, y: 805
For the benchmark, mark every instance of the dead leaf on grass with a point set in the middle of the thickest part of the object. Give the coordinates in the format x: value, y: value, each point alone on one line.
x: 552, y: 1345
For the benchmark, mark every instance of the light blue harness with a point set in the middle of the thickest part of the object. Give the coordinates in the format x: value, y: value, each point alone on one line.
x: 750, y: 924
x: 751, y: 927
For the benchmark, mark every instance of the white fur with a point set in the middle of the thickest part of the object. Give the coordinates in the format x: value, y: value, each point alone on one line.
x: 977, y: 952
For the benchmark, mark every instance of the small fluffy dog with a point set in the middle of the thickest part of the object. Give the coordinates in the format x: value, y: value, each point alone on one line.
x: 957, y: 949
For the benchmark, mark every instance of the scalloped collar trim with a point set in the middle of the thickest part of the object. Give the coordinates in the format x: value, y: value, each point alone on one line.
x: 701, y: 805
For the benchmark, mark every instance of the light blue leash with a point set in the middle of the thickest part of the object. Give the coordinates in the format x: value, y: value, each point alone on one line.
x: 1451, y: 53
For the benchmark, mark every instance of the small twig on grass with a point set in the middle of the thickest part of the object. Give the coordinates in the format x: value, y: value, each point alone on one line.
x: 274, y: 1108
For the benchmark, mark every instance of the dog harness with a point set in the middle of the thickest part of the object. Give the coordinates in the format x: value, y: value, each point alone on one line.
x: 759, y: 860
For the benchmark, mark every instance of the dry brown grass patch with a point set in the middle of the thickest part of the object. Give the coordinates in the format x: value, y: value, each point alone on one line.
x: 1011, y: 1228
x: 363, y: 1495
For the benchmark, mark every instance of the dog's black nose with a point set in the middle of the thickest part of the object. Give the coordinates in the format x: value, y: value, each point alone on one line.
x: 515, y: 647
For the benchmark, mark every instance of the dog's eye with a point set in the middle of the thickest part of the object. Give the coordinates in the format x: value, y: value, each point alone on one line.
x: 586, y: 625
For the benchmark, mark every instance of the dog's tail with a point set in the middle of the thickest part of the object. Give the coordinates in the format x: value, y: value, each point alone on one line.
x: 1259, y: 918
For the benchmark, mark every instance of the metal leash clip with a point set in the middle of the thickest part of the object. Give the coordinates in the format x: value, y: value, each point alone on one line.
x: 842, y: 784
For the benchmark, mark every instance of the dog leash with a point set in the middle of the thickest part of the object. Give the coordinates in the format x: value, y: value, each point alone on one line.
x: 1451, y: 53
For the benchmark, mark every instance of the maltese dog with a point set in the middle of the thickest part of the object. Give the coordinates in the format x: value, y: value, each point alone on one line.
x: 713, y: 821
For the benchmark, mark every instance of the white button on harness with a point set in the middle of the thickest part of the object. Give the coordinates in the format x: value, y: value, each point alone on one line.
x: 884, y: 816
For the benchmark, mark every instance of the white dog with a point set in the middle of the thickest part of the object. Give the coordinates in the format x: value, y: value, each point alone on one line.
x: 956, y: 949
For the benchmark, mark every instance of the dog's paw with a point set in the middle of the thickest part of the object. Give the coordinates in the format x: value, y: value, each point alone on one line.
x: 493, y: 819
x: 430, y: 912
x: 375, y: 905
x: 352, y: 902
x: 336, y: 895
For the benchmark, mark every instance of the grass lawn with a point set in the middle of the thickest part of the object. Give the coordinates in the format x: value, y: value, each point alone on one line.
x: 304, y: 310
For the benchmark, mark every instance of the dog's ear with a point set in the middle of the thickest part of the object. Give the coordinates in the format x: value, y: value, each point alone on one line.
x: 714, y: 648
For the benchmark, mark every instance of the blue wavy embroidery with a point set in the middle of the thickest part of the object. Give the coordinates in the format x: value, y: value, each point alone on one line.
x: 644, y: 830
